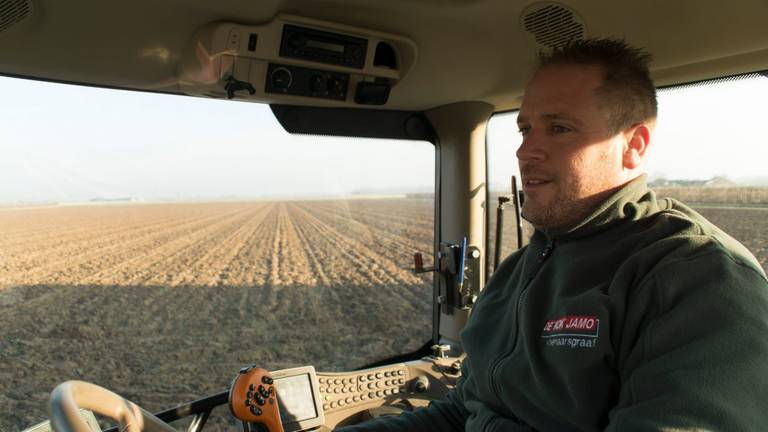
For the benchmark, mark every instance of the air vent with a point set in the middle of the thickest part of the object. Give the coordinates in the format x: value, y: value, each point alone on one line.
x: 13, y: 12
x: 552, y: 25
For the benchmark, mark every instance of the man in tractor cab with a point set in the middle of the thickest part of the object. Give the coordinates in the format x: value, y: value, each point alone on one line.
x: 626, y: 311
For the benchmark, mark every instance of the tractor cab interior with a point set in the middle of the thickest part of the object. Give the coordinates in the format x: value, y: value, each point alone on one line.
x: 343, y: 331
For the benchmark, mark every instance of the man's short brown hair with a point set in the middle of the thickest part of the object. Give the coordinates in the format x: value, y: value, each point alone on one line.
x: 627, y: 91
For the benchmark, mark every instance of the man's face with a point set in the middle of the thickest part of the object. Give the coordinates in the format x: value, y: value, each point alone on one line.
x: 568, y: 161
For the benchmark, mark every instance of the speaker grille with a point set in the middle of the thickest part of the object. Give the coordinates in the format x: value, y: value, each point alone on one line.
x: 13, y: 11
x: 552, y: 25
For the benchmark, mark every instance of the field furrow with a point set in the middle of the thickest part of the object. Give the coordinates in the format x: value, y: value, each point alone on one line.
x: 311, y: 251
x: 166, y: 261
x: 87, y: 258
x: 399, y: 244
x: 94, y: 227
x: 360, y: 263
x: 212, y: 267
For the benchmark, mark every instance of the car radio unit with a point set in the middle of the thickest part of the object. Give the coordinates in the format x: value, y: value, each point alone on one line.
x: 324, y: 47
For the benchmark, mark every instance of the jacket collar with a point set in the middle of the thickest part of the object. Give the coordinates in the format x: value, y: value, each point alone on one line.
x: 632, y: 202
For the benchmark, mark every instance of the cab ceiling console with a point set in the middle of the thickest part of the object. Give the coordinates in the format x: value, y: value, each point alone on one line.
x: 295, y: 60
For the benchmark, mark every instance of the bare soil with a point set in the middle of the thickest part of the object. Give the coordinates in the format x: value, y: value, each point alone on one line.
x: 164, y: 303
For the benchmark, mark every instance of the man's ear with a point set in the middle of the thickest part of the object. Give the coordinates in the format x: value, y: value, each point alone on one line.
x: 638, y: 138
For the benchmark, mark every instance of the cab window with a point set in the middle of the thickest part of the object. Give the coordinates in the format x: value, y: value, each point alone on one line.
x: 154, y: 244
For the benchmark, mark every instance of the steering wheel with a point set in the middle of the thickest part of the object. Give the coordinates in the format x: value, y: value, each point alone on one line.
x: 68, y: 397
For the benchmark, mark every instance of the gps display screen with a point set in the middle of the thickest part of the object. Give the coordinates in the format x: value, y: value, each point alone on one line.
x: 295, y: 398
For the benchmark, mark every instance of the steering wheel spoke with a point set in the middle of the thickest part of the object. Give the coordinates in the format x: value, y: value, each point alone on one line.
x: 68, y: 397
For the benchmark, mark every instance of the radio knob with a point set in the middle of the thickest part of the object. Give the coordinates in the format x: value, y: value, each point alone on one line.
x: 336, y: 86
x: 281, y: 78
x: 317, y: 83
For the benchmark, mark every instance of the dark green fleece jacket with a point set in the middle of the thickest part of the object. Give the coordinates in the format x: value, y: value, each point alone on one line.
x: 643, y: 317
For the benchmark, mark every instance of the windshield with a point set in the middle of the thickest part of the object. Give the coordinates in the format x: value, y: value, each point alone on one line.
x: 155, y: 244
x: 708, y: 151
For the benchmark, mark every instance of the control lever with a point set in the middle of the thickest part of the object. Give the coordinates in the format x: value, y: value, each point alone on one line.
x: 253, y: 399
x: 233, y: 85
x: 418, y: 264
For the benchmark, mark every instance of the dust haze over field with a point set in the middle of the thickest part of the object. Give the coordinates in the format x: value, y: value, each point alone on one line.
x: 164, y: 303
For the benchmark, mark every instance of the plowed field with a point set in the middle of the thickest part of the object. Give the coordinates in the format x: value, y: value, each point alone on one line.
x: 163, y: 303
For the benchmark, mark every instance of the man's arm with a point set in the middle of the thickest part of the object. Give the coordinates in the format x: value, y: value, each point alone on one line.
x: 699, y: 360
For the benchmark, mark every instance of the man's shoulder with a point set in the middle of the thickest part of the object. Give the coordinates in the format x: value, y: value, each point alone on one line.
x: 681, y: 234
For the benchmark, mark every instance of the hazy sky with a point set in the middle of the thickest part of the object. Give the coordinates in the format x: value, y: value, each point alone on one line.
x: 70, y: 143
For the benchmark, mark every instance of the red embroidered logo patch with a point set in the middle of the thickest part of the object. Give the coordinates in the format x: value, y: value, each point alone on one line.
x: 572, y: 325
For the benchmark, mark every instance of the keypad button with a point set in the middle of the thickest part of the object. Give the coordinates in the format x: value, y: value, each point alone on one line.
x: 255, y: 410
x: 251, y: 387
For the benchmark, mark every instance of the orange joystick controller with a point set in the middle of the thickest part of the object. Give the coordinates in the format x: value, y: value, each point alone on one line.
x: 253, y: 399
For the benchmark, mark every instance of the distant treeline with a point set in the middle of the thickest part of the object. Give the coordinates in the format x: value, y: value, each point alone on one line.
x: 716, y: 195
x: 420, y: 195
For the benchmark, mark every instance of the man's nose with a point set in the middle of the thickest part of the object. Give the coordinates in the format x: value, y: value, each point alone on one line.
x: 531, y: 149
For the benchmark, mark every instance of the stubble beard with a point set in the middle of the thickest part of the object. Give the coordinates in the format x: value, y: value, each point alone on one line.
x: 561, y: 212
x: 570, y: 205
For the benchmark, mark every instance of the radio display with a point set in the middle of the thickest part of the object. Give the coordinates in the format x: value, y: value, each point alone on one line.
x: 313, y: 43
x: 323, y: 46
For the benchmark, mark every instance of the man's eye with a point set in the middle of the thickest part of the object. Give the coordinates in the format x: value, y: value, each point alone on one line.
x: 560, y: 129
x: 524, y: 130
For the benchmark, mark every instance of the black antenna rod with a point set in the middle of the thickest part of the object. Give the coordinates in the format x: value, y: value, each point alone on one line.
x: 499, y: 230
x: 518, y: 201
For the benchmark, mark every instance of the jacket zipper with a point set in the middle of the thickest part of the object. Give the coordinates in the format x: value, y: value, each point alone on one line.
x: 496, y: 369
